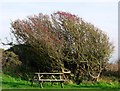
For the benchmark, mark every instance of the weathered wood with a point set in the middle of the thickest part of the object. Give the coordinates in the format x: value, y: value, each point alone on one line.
x: 49, y: 73
x: 62, y: 85
x: 51, y: 80
x: 51, y: 76
x: 41, y: 84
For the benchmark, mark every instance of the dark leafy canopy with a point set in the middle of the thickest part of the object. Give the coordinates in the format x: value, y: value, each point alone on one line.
x: 65, y: 41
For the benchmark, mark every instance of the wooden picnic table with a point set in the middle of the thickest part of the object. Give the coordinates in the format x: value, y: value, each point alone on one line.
x: 49, y: 77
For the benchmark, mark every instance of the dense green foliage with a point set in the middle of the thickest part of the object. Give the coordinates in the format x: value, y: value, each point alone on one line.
x: 10, y: 62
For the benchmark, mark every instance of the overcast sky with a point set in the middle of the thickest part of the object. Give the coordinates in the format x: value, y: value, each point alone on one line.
x: 103, y: 15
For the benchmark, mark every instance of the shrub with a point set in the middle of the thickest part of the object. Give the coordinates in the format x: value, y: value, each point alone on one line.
x: 10, y: 62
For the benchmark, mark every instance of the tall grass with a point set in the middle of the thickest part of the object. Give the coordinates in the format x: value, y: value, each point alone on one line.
x: 9, y: 82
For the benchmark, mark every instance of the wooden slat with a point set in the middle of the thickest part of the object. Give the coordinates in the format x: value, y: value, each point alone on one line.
x: 51, y: 80
x: 49, y: 73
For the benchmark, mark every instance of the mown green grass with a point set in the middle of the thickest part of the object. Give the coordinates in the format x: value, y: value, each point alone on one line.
x: 9, y: 82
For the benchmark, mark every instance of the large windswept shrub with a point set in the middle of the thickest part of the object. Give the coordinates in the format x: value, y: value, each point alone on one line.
x: 64, y: 40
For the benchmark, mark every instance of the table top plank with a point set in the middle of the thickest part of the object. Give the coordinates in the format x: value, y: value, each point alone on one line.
x: 49, y: 73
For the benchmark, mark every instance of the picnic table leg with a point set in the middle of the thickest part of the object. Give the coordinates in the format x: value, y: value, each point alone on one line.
x: 51, y: 83
x: 32, y: 82
x: 62, y: 85
x: 41, y: 84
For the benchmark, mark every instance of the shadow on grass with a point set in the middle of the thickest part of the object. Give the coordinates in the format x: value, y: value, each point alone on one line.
x: 36, y: 85
x: 17, y: 85
x: 94, y: 87
x: 27, y: 85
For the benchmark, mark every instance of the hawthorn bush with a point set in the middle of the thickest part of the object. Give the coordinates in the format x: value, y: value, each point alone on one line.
x: 64, y: 41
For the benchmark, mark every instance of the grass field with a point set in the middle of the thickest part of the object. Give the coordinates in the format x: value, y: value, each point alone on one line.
x: 10, y: 82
